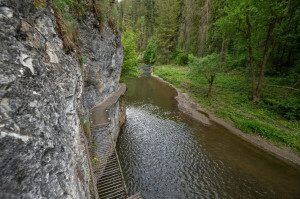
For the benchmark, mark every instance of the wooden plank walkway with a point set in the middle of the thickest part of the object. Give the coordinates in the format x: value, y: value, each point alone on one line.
x: 107, y: 170
x: 136, y: 196
x: 106, y: 166
x: 98, y: 114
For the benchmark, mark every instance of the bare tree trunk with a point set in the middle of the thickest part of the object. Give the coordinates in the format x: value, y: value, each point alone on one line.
x: 211, y: 81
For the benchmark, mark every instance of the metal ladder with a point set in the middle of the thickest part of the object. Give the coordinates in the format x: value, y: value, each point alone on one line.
x: 107, y: 171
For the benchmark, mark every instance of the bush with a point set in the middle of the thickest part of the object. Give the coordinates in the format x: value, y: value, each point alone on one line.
x: 179, y: 57
x: 130, y: 62
x: 207, y: 66
x: 268, y: 131
x: 289, y: 108
x: 150, y: 54
x: 62, y: 4
x: 233, y: 62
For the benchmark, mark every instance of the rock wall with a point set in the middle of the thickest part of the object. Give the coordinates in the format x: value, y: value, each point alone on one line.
x: 44, y: 95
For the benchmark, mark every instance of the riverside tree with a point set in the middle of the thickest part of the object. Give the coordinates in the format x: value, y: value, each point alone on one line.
x: 168, y: 14
x: 260, y: 35
x: 150, y: 54
x: 257, y: 26
x: 207, y: 66
x: 130, y: 62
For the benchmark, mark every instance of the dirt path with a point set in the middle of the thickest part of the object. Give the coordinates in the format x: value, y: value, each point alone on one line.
x: 194, y: 109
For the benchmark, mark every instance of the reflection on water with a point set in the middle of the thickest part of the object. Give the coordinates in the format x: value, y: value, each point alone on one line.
x: 166, y: 154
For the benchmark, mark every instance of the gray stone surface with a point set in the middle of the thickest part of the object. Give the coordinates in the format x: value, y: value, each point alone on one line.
x: 43, y: 96
x: 103, y: 56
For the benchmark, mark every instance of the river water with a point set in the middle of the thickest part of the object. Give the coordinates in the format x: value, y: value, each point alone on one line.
x: 164, y: 153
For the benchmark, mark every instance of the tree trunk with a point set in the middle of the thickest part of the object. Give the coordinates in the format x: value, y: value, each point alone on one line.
x: 288, y: 61
x: 254, y: 94
x: 211, y: 81
x: 268, y: 49
x: 224, y: 50
x: 208, y: 1
x: 237, y: 49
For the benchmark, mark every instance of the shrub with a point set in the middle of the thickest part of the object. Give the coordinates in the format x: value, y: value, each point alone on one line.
x: 208, y: 66
x: 288, y: 108
x: 179, y: 57
x: 130, y: 62
x: 268, y: 131
x: 150, y: 53
x: 95, y: 161
x: 233, y: 62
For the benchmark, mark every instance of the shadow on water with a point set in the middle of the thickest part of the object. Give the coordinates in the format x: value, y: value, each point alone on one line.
x: 167, y: 154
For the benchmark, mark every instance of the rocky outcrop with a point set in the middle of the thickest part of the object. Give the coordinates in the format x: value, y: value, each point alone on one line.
x: 45, y: 94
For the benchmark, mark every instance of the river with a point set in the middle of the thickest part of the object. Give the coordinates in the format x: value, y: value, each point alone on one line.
x: 164, y: 153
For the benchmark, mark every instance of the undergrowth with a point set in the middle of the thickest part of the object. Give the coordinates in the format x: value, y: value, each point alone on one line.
x: 276, y: 117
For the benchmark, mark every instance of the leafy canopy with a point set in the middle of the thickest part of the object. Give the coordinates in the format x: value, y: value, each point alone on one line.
x: 130, y: 63
x: 150, y: 53
x: 208, y: 66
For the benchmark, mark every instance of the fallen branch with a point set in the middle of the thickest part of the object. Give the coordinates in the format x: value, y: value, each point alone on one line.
x: 286, y: 87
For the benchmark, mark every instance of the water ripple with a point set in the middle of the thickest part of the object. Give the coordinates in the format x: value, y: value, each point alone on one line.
x: 165, y: 154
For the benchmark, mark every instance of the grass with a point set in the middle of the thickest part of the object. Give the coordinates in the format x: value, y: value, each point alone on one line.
x: 70, y: 13
x: 67, y: 25
x: 231, y: 100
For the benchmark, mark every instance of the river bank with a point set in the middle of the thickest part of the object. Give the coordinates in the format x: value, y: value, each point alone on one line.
x: 198, y: 112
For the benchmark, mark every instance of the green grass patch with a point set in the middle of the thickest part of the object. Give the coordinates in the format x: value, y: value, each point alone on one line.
x: 274, y: 118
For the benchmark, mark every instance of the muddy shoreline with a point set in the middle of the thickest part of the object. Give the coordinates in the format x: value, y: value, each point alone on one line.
x: 194, y: 109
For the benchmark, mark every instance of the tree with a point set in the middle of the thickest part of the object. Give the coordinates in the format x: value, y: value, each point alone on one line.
x: 130, y: 62
x: 257, y: 24
x: 208, y: 66
x: 168, y: 14
x: 150, y: 54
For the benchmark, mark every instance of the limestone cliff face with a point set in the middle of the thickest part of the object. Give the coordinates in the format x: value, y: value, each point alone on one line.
x: 44, y: 95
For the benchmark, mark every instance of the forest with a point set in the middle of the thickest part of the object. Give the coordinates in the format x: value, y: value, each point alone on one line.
x: 239, y: 59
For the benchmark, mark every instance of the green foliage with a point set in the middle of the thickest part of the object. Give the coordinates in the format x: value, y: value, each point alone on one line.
x: 95, y: 161
x: 173, y: 74
x: 247, y: 24
x: 288, y: 108
x: 70, y: 21
x: 231, y: 102
x: 179, y: 57
x: 71, y: 9
x: 139, y: 17
x: 85, y: 123
x: 208, y: 66
x: 104, y: 5
x: 130, y: 62
x: 268, y: 131
x: 202, y: 27
x: 168, y: 14
x: 234, y: 62
x: 150, y: 53
x: 62, y: 4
